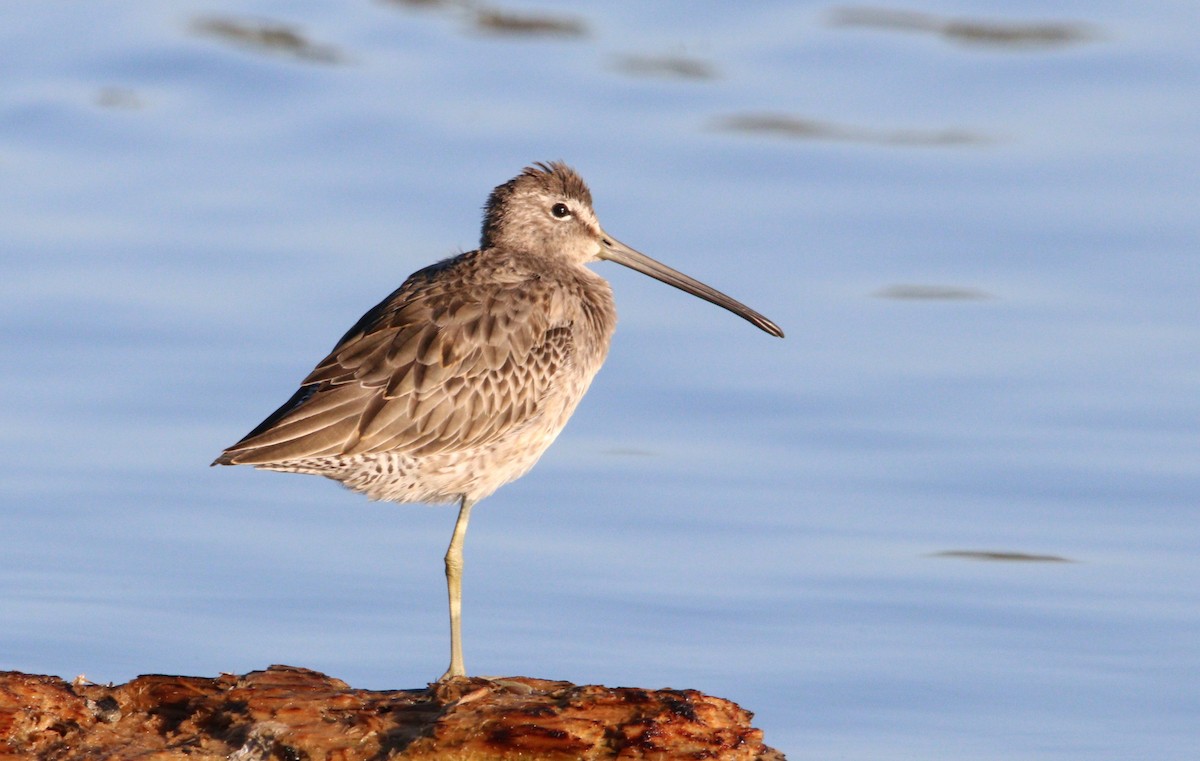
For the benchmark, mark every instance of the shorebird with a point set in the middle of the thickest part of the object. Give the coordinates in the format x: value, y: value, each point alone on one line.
x: 457, y: 382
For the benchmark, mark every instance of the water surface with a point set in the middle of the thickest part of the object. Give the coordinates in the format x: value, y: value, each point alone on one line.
x: 977, y: 225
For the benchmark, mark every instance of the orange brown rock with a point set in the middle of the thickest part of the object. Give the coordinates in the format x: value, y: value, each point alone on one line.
x: 293, y: 713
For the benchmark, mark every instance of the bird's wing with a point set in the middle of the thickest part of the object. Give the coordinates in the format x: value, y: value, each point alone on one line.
x: 429, y: 370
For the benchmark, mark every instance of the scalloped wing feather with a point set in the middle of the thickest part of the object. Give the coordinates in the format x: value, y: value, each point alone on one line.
x: 431, y: 369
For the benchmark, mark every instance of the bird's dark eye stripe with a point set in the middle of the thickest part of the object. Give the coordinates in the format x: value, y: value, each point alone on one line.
x: 560, y: 210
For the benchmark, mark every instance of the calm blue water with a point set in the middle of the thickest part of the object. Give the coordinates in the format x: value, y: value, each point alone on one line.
x: 189, y: 219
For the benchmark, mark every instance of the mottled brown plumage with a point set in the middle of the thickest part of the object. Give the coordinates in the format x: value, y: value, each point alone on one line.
x: 458, y: 381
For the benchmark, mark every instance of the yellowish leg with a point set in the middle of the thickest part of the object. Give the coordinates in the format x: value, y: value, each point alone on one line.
x: 454, y: 566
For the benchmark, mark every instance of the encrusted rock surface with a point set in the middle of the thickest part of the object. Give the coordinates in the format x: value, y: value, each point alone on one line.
x: 291, y: 714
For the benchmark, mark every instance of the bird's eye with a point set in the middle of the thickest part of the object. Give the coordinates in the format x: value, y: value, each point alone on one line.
x: 560, y: 211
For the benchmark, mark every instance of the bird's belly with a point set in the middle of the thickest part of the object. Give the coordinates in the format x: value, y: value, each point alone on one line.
x: 437, y: 478
x: 448, y: 476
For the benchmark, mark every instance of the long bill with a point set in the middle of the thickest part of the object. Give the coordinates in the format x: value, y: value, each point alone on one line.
x: 615, y: 251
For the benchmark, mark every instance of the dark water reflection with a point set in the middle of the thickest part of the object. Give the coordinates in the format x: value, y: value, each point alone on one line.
x: 666, y: 66
x: 1012, y: 35
x: 264, y: 36
x: 119, y: 98
x: 491, y: 20
x: 1003, y: 556
x: 802, y: 128
x: 503, y: 22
